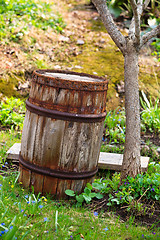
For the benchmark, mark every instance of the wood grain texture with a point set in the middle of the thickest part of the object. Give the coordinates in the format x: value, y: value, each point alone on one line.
x: 61, y: 145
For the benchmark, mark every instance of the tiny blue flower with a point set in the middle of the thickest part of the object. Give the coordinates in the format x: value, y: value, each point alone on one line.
x: 119, y: 119
x: 106, y: 229
x: 2, y: 232
x: 11, y: 227
x: 6, y: 230
x: 26, y: 196
x: 40, y: 206
x: 0, y: 235
x: 45, y: 219
x: 6, y: 163
x: 142, y: 235
x: 33, y: 201
x: 25, y: 215
x: 152, y: 189
x: 120, y: 197
x: 0, y: 185
x: 95, y: 214
x: 3, y: 224
x: 22, y: 210
x: 28, y: 202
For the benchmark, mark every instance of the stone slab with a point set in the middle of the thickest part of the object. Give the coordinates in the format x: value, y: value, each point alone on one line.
x: 112, y: 161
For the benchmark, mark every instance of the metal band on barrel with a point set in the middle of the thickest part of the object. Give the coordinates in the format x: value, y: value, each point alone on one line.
x: 56, y: 173
x: 64, y: 115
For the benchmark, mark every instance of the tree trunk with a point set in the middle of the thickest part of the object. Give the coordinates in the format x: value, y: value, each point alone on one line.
x: 131, y: 160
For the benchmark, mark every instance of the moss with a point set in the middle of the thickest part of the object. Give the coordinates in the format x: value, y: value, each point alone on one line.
x: 109, y: 62
x: 106, y: 62
x: 97, y: 25
x: 9, y: 84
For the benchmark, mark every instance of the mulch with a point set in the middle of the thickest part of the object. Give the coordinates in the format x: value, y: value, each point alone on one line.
x: 149, y: 215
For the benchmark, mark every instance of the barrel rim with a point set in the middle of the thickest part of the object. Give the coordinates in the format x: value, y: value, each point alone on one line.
x: 65, y: 83
x: 55, y: 114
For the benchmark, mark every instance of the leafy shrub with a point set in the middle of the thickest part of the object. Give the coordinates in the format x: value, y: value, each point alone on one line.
x: 12, y: 113
x: 145, y: 186
x: 18, y: 16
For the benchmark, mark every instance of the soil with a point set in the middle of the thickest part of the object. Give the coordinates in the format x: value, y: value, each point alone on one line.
x: 148, y: 216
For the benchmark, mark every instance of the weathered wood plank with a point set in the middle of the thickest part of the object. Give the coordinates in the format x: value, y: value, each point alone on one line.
x: 111, y: 161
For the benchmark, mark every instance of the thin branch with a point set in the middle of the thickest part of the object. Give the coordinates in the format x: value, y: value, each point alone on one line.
x: 153, y: 33
x: 134, y: 30
x: 145, y: 5
x: 109, y: 24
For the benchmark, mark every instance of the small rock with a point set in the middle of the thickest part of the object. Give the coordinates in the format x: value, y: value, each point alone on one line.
x: 80, y: 42
x: 102, y: 41
x: 158, y: 149
x: 79, y: 67
x: 120, y: 87
x: 57, y: 67
x: 63, y: 39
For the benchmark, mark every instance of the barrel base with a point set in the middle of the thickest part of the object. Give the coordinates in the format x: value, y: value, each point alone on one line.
x: 50, y: 185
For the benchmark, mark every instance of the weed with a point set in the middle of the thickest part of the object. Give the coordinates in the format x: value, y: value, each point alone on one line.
x: 12, y: 113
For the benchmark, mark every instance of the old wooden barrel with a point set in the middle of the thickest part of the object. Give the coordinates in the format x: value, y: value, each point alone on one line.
x: 62, y: 131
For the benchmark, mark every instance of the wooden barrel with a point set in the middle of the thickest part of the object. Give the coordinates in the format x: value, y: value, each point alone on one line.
x: 62, y: 131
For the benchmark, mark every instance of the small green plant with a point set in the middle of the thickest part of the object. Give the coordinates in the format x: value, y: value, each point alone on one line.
x: 97, y: 190
x: 86, y: 196
x: 12, y: 113
x: 143, y: 186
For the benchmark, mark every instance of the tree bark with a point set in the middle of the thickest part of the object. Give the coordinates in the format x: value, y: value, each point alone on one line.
x: 131, y: 159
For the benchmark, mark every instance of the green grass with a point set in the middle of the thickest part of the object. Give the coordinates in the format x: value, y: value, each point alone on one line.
x: 17, y: 17
x: 26, y: 216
